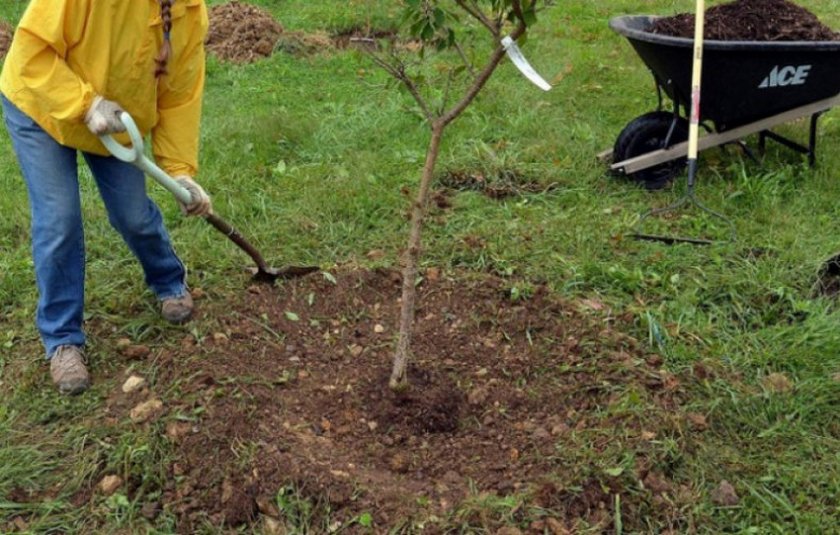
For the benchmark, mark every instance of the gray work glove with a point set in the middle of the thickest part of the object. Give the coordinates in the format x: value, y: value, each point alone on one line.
x: 103, y: 117
x: 200, y: 204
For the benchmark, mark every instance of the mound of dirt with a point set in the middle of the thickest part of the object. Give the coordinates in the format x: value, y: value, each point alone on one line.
x: 242, y: 33
x: 290, y: 395
x: 6, y: 32
x: 751, y: 20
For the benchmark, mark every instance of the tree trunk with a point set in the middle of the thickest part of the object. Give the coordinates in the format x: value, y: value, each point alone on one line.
x: 410, y: 259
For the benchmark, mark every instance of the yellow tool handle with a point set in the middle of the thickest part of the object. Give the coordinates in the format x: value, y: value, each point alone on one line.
x: 696, y: 79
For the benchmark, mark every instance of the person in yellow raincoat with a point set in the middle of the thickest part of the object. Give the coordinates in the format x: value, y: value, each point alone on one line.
x: 73, y: 66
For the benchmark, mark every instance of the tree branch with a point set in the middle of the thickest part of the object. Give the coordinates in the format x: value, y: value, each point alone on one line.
x: 483, y: 76
x: 465, y: 59
x: 477, y: 14
x: 398, y: 72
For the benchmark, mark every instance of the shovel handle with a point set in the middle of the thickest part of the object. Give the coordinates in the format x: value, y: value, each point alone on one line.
x: 134, y: 154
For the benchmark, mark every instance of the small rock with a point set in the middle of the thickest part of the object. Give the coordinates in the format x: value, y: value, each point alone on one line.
x: 267, y: 506
x: 372, y: 425
x: 378, y: 328
x: 559, y: 429
x: 137, y: 352
x: 123, y: 343
x: 220, y: 338
x: 648, y: 435
x: 272, y: 526
x: 356, y: 350
x: 698, y: 421
x: 724, y: 495
x: 482, y: 372
x: 146, y: 410
x: 777, y: 383
x: 477, y: 396
x: 227, y: 490
x: 110, y: 484
x: 175, y: 431
x: 132, y: 384
x: 556, y: 527
x: 399, y: 463
x: 541, y: 434
x: 151, y: 510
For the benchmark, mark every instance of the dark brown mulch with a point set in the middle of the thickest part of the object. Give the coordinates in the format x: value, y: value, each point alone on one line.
x: 242, y: 33
x: 6, y: 32
x: 751, y: 20
x: 290, y: 391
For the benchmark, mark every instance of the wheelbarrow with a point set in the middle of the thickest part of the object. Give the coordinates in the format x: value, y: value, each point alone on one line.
x: 748, y: 88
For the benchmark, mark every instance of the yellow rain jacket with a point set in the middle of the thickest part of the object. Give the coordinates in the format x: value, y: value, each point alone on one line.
x: 65, y: 52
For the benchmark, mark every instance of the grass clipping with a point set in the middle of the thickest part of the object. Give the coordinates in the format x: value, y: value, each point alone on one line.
x: 242, y: 33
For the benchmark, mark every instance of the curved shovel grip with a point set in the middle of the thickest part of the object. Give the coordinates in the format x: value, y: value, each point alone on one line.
x: 134, y: 155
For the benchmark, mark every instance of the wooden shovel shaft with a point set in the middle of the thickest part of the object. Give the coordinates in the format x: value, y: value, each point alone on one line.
x: 233, y: 235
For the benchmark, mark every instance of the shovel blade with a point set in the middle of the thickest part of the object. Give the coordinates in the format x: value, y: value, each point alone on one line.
x: 269, y: 275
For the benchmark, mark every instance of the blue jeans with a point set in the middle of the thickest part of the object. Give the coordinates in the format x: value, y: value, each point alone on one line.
x: 51, y: 174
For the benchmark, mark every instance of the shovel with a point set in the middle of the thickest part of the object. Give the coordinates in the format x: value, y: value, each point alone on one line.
x: 134, y: 155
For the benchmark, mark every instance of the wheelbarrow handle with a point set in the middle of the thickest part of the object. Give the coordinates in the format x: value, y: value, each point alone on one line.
x: 134, y: 154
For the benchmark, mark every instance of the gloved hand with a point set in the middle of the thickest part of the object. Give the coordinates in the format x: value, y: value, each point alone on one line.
x: 200, y: 204
x: 103, y: 117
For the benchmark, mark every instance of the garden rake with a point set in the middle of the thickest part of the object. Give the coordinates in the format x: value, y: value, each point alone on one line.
x: 134, y: 155
x: 693, y: 137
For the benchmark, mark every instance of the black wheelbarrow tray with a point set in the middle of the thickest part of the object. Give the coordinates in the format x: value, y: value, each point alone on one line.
x: 748, y: 87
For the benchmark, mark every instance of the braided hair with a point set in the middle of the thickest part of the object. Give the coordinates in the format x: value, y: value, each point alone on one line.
x: 165, y: 50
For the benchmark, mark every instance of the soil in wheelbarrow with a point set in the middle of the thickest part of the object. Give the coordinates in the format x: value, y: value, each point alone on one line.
x: 751, y: 20
x: 6, y: 32
x: 515, y: 392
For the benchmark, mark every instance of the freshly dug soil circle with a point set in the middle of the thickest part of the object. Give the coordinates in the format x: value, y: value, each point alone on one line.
x: 290, y: 395
x: 242, y: 33
x: 6, y: 32
x: 751, y: 20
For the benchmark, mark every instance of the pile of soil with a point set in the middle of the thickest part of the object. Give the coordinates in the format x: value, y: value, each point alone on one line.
x: 242, y: 33
x: 751, y: 20
x: 290, y: 392
x: 6, y: 32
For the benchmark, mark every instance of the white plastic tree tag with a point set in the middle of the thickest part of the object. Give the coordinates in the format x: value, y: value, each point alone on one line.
x: 518, y: 59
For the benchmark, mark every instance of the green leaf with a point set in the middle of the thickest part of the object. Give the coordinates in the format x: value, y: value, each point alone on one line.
x: 366, y: 520
x: 615, y: 472
x: 291, y: 316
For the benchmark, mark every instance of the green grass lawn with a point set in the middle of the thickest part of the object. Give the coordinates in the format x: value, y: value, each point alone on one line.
x: 308, y: 155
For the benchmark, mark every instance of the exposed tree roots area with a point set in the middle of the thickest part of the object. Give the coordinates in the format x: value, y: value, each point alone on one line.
x: 751, y: 20
x: 515, y: 394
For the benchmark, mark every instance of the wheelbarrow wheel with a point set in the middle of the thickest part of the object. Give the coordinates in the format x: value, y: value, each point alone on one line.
x: 648, y: 133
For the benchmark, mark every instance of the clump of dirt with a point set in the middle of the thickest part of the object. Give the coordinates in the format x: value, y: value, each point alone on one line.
x: 497, y: 185
x: 6, y: 32
x: 242, y: 33
x: 751, y: 20
x: 289, y: 395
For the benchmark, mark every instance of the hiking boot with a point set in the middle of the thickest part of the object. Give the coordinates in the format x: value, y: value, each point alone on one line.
x: 177, y: 309
x: 68, y: 371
